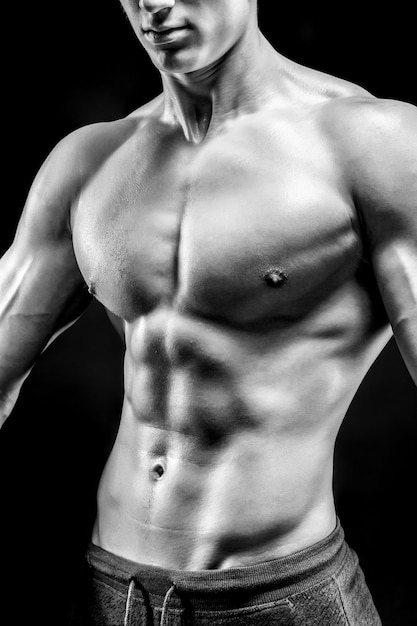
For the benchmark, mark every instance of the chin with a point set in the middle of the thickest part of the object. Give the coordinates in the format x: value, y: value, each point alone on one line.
x: 176, y: 61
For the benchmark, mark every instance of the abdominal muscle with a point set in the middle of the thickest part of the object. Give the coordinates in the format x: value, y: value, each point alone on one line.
x: 229, y: 469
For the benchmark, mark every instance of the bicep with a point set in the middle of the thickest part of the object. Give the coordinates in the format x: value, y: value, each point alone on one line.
x: 42, y: 291
x: 41, y: 287
x: 395, y: 267
x: 388, y: 184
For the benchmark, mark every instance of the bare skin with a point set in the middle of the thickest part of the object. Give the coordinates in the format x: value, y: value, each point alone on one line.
x: 255, y: 247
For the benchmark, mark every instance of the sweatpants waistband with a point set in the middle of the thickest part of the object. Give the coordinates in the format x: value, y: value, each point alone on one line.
x: 268, y: 581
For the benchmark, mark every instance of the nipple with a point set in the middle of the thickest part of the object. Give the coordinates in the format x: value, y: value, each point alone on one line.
x: 92, y: 288
x: 275, y: 278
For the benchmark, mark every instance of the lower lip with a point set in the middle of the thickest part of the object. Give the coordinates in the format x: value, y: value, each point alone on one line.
x: 167, y: 37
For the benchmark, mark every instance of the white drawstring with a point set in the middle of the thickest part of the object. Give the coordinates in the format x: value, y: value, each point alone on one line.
x: 167, y: 598
x: 129, y: 600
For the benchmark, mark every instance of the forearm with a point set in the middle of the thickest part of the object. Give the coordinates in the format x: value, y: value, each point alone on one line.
x: 21, y: 342
x: 13, y: 373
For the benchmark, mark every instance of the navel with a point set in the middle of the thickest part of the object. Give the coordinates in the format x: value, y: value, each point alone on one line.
x: 157, y: 471
x: 275, y: 278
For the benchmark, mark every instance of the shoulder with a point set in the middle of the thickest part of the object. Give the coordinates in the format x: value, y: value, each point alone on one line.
x: 374, y: 142
x: 348, y: 117
x: 370, y: 131
x: 367, y: 137
x: 74, y: 160
x: 348, y: 113
x: 82, y: 151
x: 78, y: 155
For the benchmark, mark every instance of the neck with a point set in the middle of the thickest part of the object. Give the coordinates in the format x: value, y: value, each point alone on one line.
x: 236, y: 83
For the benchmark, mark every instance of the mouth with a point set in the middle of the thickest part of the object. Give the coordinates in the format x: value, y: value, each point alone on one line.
x: 165, y: 35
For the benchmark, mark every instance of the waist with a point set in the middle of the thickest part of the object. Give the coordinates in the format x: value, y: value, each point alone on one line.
x: 267, y: 581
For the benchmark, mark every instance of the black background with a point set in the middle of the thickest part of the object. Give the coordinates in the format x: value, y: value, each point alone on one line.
x: 70, y: 64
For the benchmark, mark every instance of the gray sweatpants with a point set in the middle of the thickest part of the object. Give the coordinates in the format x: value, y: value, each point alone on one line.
x: 322, y: 585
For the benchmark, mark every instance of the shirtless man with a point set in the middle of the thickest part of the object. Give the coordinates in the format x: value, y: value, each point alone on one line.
x: 243, y: 231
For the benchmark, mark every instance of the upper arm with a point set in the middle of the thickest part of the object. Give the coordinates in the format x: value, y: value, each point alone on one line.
x: 383, y: 165
x: 41, y: 287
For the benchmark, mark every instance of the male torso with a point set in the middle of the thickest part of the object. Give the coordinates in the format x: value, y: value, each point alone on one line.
x: 237, y: 271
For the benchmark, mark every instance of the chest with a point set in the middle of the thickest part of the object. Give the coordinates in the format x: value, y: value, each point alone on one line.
x: 241, y: 229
